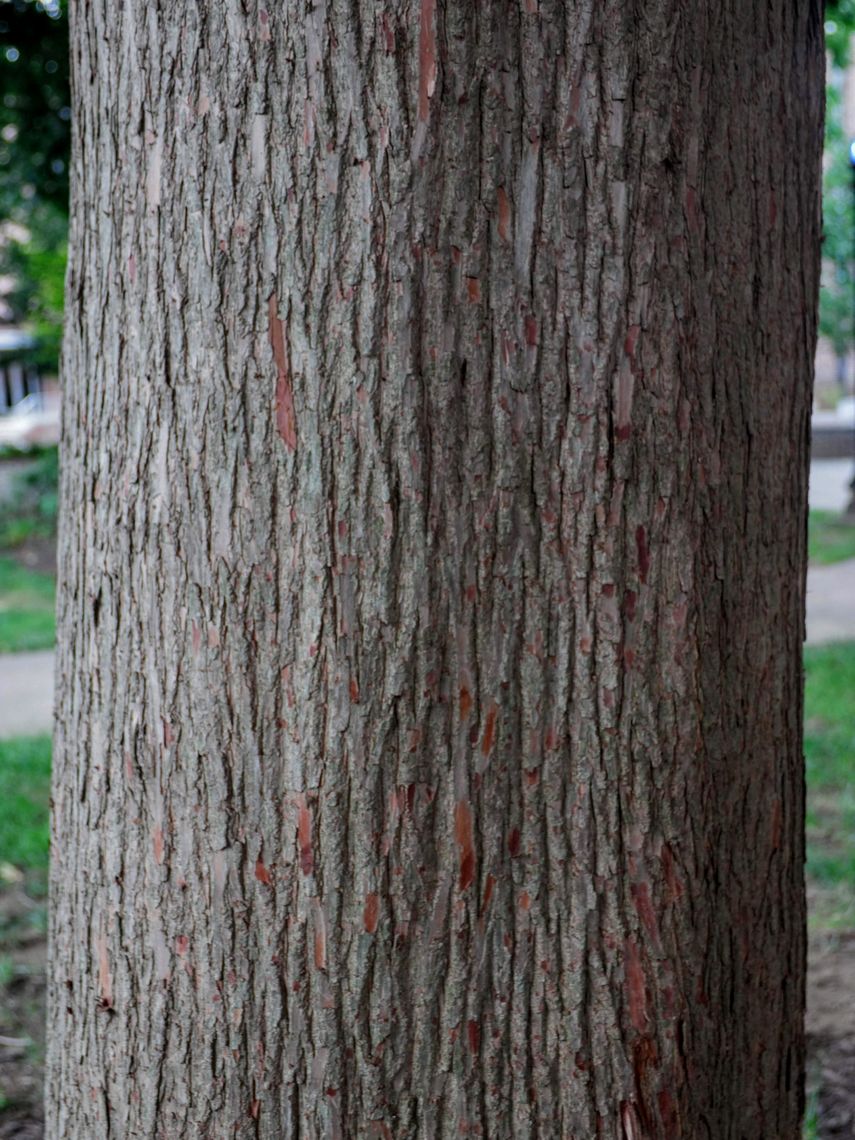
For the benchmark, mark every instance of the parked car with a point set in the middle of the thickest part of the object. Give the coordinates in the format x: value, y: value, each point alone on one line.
x: 32, y: 422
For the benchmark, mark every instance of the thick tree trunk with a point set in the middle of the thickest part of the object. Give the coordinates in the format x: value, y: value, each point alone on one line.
x: 428, y: 752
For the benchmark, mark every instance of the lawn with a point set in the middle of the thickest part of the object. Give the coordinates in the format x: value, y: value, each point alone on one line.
x: 831, y: 538
x: 830, y: 771
x: 26, y: 608
x: 24, y: 793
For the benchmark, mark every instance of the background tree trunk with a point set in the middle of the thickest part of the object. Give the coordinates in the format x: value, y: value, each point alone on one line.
x: 428, y: 750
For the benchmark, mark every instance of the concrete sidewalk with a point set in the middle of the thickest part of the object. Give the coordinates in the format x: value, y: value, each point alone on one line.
x: 26, y: 693
x: 831, y: 603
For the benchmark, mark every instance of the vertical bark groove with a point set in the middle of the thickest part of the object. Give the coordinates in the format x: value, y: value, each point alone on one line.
x: 428, y: 749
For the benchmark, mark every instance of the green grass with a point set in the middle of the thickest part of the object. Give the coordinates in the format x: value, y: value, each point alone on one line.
x: 24, y: 798
x: 31, y: 511
x: 26, y: 608
x: 830, y: 772
x: 831, y: 538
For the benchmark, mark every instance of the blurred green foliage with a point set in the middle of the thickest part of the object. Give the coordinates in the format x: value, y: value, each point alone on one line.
x: 35, y: 109
x: 24, y: 793
x: 837, y: 293
x: 32, y: 510
x: 35, y: 133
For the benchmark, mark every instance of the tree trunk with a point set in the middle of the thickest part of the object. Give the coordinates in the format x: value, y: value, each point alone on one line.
x: 428, y: 748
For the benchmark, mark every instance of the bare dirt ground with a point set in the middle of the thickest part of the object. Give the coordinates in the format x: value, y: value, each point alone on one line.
x: 22, y: 1002
x: 831, y: 1032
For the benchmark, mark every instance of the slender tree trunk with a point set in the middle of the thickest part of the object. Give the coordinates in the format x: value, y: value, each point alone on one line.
x: 428, y: 749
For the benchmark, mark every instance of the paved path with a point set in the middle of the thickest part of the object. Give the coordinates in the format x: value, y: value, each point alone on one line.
x: 26, y: 693
x: 26, y: 679
x: 829, y: 488
x: 831, y: 603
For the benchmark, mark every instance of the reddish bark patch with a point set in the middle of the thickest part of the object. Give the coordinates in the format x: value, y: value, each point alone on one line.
x: 514, y: 843
x: 644, y: 1058
x: 629, y: 600
x: 465, y: 702
x: 255, y: 1109
x: 504, y: 207
x: 371, y: 913
x: 427, y: 57
x: 304, y: 836
x: 157, y: 844
x: 631, y: 340
x: 463, y: 835
x: 262, y: 874
x: 473, y: 1032
x: 644, y: 909
x: 388, y: 34
x: 525, y: 900
x: 531, y: 331
x: 286, y: 421
x: 488, y: 894
x: 132, y: 269
x: 473, y: 289
x: 354, y: 691
x: 668, y: 1114
x: 182, y: 942
x: 643, y: 553
x: 490, y: 729
x: 635, y: 986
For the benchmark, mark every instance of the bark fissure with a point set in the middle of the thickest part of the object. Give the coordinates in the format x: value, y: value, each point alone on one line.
x: 428, y: 744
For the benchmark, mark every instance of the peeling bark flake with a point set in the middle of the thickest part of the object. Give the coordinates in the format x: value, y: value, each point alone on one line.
x: 427, y: 57
x: 304, y: 836
x: 463, y: 835
x: 489, y: 738
x: 105, y: 979
x: 488, y: 894
x: 504, y: 207
x: 371, y: 913
x: 320, y: 936
x: 465, y: 702
x: 286, y: 423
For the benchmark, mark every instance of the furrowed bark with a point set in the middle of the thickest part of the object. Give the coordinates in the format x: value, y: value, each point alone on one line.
x: 428, y: 746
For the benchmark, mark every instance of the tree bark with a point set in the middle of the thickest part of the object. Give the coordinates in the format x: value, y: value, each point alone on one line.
x: 428, y: 746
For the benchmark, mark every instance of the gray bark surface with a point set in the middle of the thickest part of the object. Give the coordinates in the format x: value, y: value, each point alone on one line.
x: 436, y: 403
